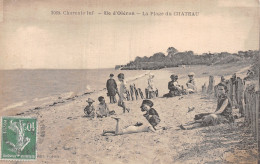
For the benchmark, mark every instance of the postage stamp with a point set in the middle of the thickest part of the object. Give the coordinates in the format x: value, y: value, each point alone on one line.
x: 18, y: 138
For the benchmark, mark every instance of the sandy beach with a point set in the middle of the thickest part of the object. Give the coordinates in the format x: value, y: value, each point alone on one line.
x: 65, y: 136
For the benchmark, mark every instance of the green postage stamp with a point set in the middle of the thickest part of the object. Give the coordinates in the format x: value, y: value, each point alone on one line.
x: 18, y: 138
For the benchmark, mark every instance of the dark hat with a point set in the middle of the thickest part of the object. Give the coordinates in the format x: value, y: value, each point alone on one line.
x: 111, y: 75
x: 121, y: 75
x: 100, y: 98
x: 172, y: 76
x: 147, y: 102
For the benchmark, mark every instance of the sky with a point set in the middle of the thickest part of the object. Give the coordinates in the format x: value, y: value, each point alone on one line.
x: 32, y: 38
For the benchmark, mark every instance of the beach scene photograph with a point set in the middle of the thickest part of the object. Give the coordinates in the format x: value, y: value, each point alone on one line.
x: 129, y: 82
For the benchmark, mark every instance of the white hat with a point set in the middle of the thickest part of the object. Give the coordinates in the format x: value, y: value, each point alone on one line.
x: 90, y: 100
x: 151, y: 75
x: 191, y: 74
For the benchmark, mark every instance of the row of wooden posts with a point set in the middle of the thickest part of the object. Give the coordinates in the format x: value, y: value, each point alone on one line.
x: 135, y: 93
x: 244, y: 97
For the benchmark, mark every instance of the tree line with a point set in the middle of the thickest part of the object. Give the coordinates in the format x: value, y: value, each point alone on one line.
x: 174, y: 58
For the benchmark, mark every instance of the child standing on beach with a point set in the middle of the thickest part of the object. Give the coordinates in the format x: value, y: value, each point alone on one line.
x: 111, y: 89
x: 122, y: 92
x: 89, y: 110
x: 103, y: 110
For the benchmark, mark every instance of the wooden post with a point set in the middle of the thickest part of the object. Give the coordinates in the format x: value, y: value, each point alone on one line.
x: 257, y: 115
x: 231, y: 90
x: 234, y: 91
x: 204, y: 88
x: 146, y: 93
x: 258, y: 122
x: 211, y: 85
x: 253, y: 114
x: 239, y: 92
x: 249, y: 111
x: 141, y: 93
x: 246, y: 97
x: 229, y: 87
x: 132, y: 92
x: 216, y: 91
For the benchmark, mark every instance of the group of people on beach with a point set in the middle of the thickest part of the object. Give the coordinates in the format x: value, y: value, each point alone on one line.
x: 102, y: 108
x: 222, y: 114
x: 175, y: 89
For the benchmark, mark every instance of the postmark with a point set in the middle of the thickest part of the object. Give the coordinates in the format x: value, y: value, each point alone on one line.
x: 18, y: 138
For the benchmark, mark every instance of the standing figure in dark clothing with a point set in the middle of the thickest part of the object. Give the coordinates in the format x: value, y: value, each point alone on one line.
x: 111, y: 89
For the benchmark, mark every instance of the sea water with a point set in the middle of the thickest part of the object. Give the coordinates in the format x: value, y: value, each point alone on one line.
x: 20, y: 87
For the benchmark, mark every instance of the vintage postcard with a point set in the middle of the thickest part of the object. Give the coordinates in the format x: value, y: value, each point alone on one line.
x: 113, y: 81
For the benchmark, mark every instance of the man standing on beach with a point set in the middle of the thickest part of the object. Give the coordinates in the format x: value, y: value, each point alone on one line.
x: 122, y: 92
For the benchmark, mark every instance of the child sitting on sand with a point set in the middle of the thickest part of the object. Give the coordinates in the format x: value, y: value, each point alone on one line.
x: 103, y: 110
x: 151, y: 115
x: 191, y: 86
x: 223, y: 113
x: 174, y: 88
x: 89, y: 110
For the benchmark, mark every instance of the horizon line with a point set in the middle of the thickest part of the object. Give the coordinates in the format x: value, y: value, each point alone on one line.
x: 52, y: 69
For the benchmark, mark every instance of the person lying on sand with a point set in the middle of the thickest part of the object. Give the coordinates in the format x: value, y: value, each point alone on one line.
x: 151, y: 115
x: 102, y: 108
x: 89, y: 110
x: 223, y: 113
x: 191, y: 86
